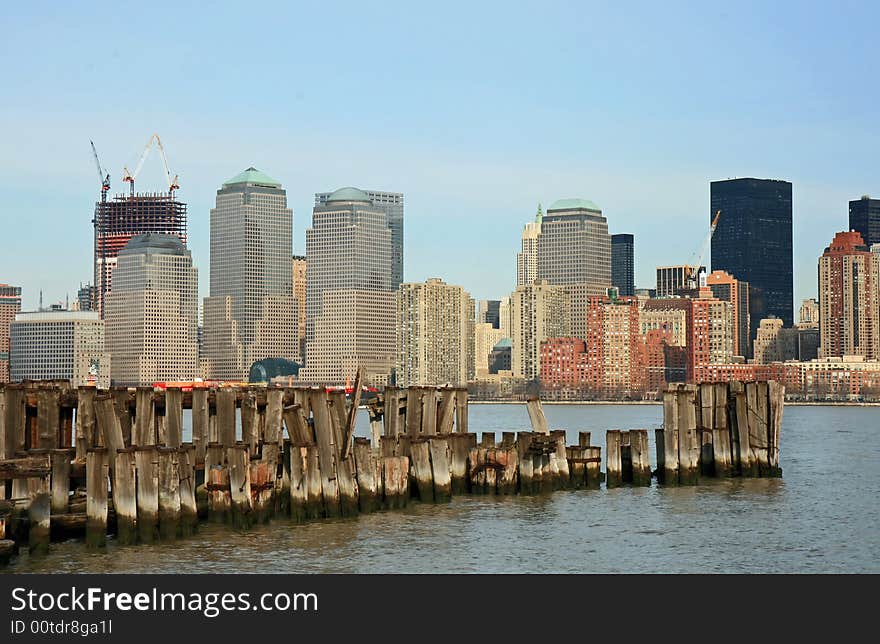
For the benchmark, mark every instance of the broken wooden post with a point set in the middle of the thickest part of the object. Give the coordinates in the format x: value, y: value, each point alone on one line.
x: 421, y: 469
x: 477, y: 458
x: 240, y: 484
x: 200, y: 423
x: 689, y: 440
x: 395, y: 481
x: 536, y: 416
x: 262, y: 484
x: 86, y: 427
x: 721, y: 457
x: 345, y: 475
x: 147, y: 461
x: 298, y: 493
x: 639, y: 457
x: 487, y: 440
x: 250, y: 428
x: 48, y: 418
x: 351, y: 418
x: 96, y: 497
x: 505, y: 480
x: 508, y: 439
x: 414, y: 411
x: 747, y: 467
x: 125, y: 495
x: 563, y: 474
x: 60, y: 461
x: 108, y: 424
x: 776, y: 392
x: 226, y: 416
x: 14, y: 421
x: 613, y: 463
x: 368, y: 476
x: 526, y: 462
x: 314, y: 483
x: 144, y: 430
x: 169, y: 492
x: 667, y: 440
x: 429, y: 411
x: 440, y: 468
x: 705, y: 396
x: 576, y: 467
x: 391, y: 414
x: 461, y: 410
x: 593, y: 456
x: 274, y: 417
x: 173, y: 417
x: 446, y: 413
x: 460, y: 445
x: 757, y: 396
x: 189, y: 512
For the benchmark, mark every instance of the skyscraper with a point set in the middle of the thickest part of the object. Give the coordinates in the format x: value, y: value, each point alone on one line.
x: 350, y: 307
x: 864, y: 218
x: 250, y: 313
x: 574, y: 250
x: 392, y: 204
x: 614, y: 346
x: 753, y: 242
x: 299, y: 295
x: 849, y: 299
x: 485, y: 338
x: 151, y: 315
x: 489, y: 311
x: 435, y: 334
x: 808, y: 316
x: 10, y: 304
x: 118, y: 220
x: 623, y: 264
x: 673, y: 280
x: 726, y: 287
x: 527, y: 258
x: 537, y: 311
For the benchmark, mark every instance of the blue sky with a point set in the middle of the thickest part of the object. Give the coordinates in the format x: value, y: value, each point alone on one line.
x: 476, y: 111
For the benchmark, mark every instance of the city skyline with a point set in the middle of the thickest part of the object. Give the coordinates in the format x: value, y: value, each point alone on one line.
x: 479, y: 164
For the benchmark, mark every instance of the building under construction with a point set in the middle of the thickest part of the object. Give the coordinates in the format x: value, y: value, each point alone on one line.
x: 119, y: 219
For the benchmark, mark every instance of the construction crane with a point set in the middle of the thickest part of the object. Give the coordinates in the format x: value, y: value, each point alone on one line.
x: 103, y: 175
x: 129, y: 176
x: 695, y: 265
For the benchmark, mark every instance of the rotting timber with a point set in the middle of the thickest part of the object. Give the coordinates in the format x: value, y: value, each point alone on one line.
x: 86, y: 463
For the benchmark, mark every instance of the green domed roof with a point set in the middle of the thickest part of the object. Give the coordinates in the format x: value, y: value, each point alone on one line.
x: 573, y: 204
x: 252, y: 175
x: 348, y: 194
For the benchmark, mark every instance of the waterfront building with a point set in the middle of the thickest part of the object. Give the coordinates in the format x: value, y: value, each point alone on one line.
x: 538, y: 311
x: 392, y: 204
x: 574, y: 250
x: 527, y: 258
x: 151, y: 315
x: 753, y: 242
x: 726, y: 287
x: 710, y: 324
x: 59, y: 345
x: 864, y: 218
x: 615, y: 346
x: 349, y: 263
x: 435, y: 334
x: 10, y: 305
x: 623, y: 263
x: 774, y: 343
x: 849, y: 298
x: 250, y: 312
x: 299, y: 298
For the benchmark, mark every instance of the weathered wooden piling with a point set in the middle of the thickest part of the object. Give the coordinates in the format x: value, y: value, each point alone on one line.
x: 173, y: 417
x: 108, y: 424
x: 147, y: 463
x: 314, y: 483
x: 613, y: 461
x: 240, y: 484
x: 345, y: 474
x: 125, y: 495
x: 395, y: 480
x: 526, y: 462
x: 776, y: 393
x: 446, y: 412
x: 97, y: 482
x: 200, y: 416
x: 39, y: 511
x: 536, y: 416
x: 368, y: 476
x: 144, y: 429
x: 461, y: 410
x: 640, y: 459
x: 506, y: 479
x: 250, y: 428
x: 421, y: 469
x: 563, y: 474
x: 391, y: 414
x: 326, y: 452
x: 414, y: 411
x: 262, y: 484
x: 226, y: 416
x: 440, y: 468
x: 298, y: 495
x: 189, y: 512
x: 429, y: 411
x: 577, y: 467
x: 169, y: 492
x: 60, y: 462
x: 459, y: 446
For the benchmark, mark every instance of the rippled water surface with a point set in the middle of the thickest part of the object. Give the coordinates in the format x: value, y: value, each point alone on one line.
x: 822, y: 516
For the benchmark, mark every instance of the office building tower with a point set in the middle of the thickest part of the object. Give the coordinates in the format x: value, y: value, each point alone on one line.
x: 574, y: 250
x: 435, y: 334
x: 666, y: 315
x: 299, y: 298
x: 726, y: 287
x: 808, y: 316
x: 504, y: 316
x: 864, y: 218
x: 489, y: 311
x: 538, y: 311
x: 59, y: 345
x: 87, y: 297
x: 485, y: 338
x: 849, y: 299
x: 250, y: 312
x: 10, y: 304
x: 753, y: 242
x: 775, y: 343
x: 350, y: 297
x: 527, y: 258
x: 623, y: 264
x: 121, y: 218
x: 392, y: 204
x: 678, y: 280
x: 614, y: 347
x: 151, y: 315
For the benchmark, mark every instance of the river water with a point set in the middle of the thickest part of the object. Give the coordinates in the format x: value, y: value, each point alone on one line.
x: 822, y: 516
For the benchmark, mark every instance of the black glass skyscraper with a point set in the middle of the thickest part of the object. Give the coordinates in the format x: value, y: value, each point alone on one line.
x: 864, y: 217
x: 753, y: 242
x: 622, y: 269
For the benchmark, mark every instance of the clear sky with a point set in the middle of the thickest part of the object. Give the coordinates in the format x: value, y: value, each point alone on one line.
x: 476, y: 111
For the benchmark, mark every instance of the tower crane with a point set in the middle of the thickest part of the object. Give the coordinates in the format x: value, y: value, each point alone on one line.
x: 103, y: 175
x: 695, y: 267
x: 129, y: 176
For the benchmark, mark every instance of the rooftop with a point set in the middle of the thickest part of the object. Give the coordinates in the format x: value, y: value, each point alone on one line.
x: 253, y: 176
x: 573, y: 204
x: 155, y: 242
x: 348, y: 194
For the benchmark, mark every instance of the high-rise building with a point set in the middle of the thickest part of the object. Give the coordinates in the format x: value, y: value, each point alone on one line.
x: 348, y: 264
x: 574, y: 250
x: 504, y: 316
x: 726, y: 287
x: 485, y: 338
x: 121, y: 218
x: 623, y: 263
x: 864, y: 218
x: 250, y: 312
x: 151, y: 315
x: 753, y: 242
x: 299, y: 298
x: 849, y: 299
x: 435, y: 334
x: 710, y: 325
x: 64, y: 345
x: 489, y: 311
x: 10, y: 304
x: 615, y: 346
x: 808, y: 316
x: 392, y: 204
x: 666, y: 315
x: 775, y: 343
x: 677, y: 280
x: 87, y: 297
x: 538, y: 311
x: 527, y: 258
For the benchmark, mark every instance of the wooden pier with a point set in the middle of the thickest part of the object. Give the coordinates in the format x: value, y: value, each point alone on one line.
x: 91, y: 464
